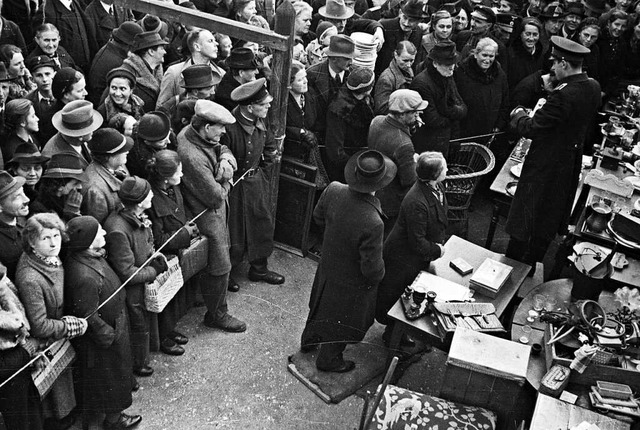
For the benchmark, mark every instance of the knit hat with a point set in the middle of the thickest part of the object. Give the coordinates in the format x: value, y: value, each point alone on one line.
x: 62, y: 81
x: 126, y: 32
x: 9, y: 184
x: 133, y: 190
x: 121, y: 72
x: 108, y: 141
x: 82, y: 231
x: 360, y: 79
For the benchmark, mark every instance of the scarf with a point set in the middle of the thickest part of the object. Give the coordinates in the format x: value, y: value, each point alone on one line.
x: 49, y: 261
x: 116, y: 115
x: 144, y: 76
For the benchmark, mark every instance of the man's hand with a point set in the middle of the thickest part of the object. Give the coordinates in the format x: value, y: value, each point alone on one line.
x: 225, y: 171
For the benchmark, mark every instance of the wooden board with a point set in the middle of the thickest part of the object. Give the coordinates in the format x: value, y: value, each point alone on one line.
x: 554, y: 414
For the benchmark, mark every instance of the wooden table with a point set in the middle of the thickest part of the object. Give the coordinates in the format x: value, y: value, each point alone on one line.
x: 560, y: 289
x: 457, y: 247
x: 501, y: 200
x: 554, y: 414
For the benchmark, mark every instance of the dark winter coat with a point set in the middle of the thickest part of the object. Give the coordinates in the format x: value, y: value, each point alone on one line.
x: 348, y: 121
x: 549, y: 178
x: 486, y: 95
x: 441, y: 117
x: 343, y: 296
x: 11, y: 246
x: 412, y: 244
x: 108, y: 58
x: 613, y: 54
x: 61, y: 57
x: 58, y: 143
x: 393, y: 34
x: 521, y: 63
x: 44, y: 112
x: 105, y: 23
x: 391, y: 79
x: 11, y: 35
x: 322, y: 90
x: 147, y: 81
x: 167, y: 216
x: 223, y: 92
x: 100, y: 194
x: 296, y: 121
x: 104, y: 352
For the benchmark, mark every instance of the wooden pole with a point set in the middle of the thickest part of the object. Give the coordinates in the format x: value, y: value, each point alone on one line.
x: 279, y: 88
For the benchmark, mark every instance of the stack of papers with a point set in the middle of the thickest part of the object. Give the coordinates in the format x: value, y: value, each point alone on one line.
x: 490, y: 277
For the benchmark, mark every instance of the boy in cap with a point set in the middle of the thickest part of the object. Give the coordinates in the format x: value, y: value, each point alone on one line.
x: 251, y: 225
x: 549, y: 178
x: 43, y: 69
x: 208, y: 167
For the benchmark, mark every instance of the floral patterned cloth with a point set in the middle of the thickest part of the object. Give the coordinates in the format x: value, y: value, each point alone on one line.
x: 403, y: 409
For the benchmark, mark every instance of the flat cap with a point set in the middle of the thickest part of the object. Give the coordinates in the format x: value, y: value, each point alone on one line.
x: 485, y: 13
x: 213, y: 112
x: 251, y: 92
x: 566, y: 49
x: 34, y: 63
x: 401, y: 101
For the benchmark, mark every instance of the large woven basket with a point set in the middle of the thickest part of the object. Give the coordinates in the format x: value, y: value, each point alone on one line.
x: 159, y: 293
x: 466, y: 166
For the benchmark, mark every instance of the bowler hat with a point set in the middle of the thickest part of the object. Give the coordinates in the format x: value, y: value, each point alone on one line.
x: 28, y: 153
x: 368, y: 171
x: 199, y: 76
x: 34, y: 63
x: 81, y: 231
x: 213, y: 112
x: 126, y: 32
x: 403, y: 100
x: 121, y: 72
x: 251, y: 92
x: 147, y: 39
x: 242, y: 58
x: 109, y: 141
x: 154, y: 126
x: 575, y: 8
x: 444, y: 53
x: 360, y: 79
x: 133, y: 190
x: 65, y: 165
x: 341, y: 46
x: 414, y: 9
x: 336, y: 9
x: 568, y: 49
x: 77, y: 118
x: 9, y: 184
x: 553, y: 10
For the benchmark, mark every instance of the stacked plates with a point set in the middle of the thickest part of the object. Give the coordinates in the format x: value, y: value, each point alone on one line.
x: 366, y: 50
x: 622, y: 239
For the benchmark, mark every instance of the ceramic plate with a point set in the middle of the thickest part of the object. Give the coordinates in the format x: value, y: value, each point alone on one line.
x: 635, y: 180
x: 516, y: 170
x: 623, y: 240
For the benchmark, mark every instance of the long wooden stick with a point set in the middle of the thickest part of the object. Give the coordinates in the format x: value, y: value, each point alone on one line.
x: 380, y: 393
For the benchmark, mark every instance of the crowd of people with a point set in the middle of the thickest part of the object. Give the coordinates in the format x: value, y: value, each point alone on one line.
x: 118, y: 128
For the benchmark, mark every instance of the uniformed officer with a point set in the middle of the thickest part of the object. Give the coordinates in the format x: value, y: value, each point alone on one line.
x: 543, y: 200
x: 251, y: 224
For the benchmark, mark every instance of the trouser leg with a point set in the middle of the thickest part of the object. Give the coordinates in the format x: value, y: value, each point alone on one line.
x: 330, y: 355
x: 214, y: 294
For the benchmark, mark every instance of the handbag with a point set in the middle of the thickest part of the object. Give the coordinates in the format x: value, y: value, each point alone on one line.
x: 58, y: 357
x: 166, y: 285
x: 475, y: 316
x: 195, y: 257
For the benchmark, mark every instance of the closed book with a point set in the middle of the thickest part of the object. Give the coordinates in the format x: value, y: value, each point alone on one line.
x: 491, y: 275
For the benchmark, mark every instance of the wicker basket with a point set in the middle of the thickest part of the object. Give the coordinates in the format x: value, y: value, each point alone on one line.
x: 194, y: 258
x: 166, y: 285
x: 466, y: 166
x: 59, y: 357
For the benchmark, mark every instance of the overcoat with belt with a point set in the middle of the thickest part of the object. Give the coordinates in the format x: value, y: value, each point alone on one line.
x: 343, y: 296
x: 251, y: 223
x: 104, y: 352
x: 543, y: 199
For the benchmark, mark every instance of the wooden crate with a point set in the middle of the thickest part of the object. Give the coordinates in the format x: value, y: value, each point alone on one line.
x: 594, y: 372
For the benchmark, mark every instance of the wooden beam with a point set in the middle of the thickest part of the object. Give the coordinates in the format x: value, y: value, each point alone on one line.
x: 217, y: 24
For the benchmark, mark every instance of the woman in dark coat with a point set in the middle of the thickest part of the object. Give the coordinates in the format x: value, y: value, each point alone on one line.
x: 343, y: 296
x: 418, y: 235
x: 446, y: 108
x: 348, y: 118
x: 121, y: 108
x: 168, y: 216
x: 587, y: 35
x: 484, y: 88
x: 525, y: 54
x: 104, y: 353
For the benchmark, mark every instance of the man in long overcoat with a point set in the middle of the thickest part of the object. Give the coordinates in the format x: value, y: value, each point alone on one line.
x: 343, y: 296
x: 549, y: 178
x: 251, y: 223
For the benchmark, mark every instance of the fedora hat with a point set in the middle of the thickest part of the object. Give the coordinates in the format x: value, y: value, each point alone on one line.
x: 242, y: 58
x: 575, y: 8
x: 65, y: 165
x: 147, y: 39
x: 199, y: 76
x: 126, y: 32
x: 336, y: 9
x: 9, y: 184
x: 28, y: 153
x: 369, y: 170
x: 109, y: 141
x: 414, y: 9
x: 341, y: 46
x: 77, y: 118
x: 444, y: 53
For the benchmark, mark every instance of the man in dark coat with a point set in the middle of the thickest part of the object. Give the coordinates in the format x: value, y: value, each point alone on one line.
x: 343, y: 296
x: 403, y: 27
x: 243, y: 68
x: 251, y: 224
x: 549, y: 178
x: 10, y: 34
x: 106, y: 17
x: 109, y: 57
x: 77, y: 32
x: 43, y: 69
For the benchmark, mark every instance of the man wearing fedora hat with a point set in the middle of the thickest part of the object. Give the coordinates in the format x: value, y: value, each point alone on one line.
x: 145, y: 62
x: 403, y: 27
x: 203, y: 48
x: 199, y: 82
x: 343, y: 16
x: 243, y: 68
x: 251, y: 225
x: 343, y: 296
x: 109, y: 57
x: 14, y: 208
x: 208, y: 167
x: 483, y: 18
x: 552, y: 18
x: 43, y: 69
x: 75, y: 123
x: 549, y: 178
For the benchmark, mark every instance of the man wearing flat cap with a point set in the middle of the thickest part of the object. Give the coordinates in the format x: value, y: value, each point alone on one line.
x: 251, y: 224
x: 208, y: 167
x: 542, y: 203
x: 391, y: 135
